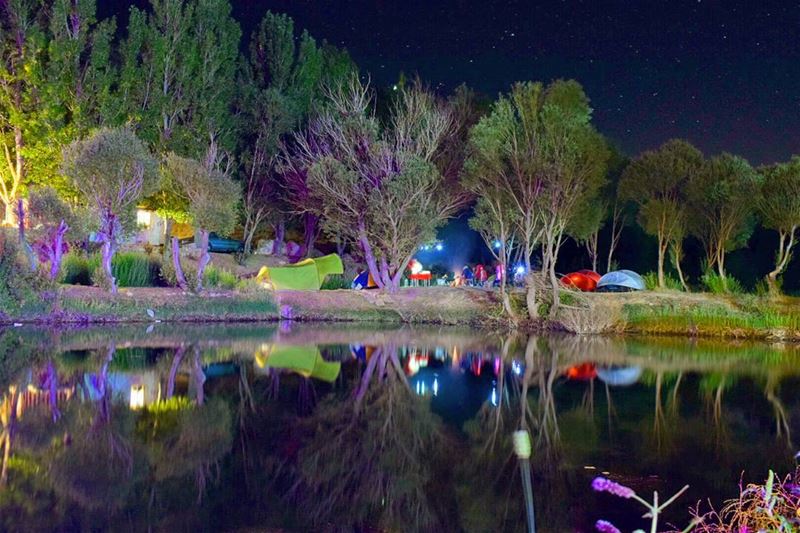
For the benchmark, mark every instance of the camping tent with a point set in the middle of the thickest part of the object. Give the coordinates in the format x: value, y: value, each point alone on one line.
x: 584, y: 280
x: 304, y: 360
x: 306, y: 275
x: 621, y: 281
x: 364, y: 281
x: 623, y: 376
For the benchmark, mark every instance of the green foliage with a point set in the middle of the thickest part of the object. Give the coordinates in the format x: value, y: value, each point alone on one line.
x: 194, y: 45
x: 136, y: 269
x: 336, y: 281
x: 219, y: 278
x: 112, y: 169
x: 671, y: 283
x: 715, y: 284
x: 779, y: 198
x: 211, y: 194
x: 20, y: 287
x: 78, y: 268
x: 722, y: 196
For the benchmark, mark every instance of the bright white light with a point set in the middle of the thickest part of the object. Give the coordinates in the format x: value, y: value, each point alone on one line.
x: 137, y: 396
x: 520, y: 269
x: 516, y: 367
x: 435, y: 386
x: 419, y: 393
x: 439, y: 247
x: 494, y: 396
x: 143, y: 218
x: 497, y: 244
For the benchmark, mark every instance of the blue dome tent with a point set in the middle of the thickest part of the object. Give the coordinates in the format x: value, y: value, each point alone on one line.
x: 620, y: 281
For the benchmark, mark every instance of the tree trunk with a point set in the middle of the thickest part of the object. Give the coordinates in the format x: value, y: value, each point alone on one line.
x: 8, y: 433
x: 58, y: 252
x: 784, y: 255
x: 205, y: 258
x: 280, y: 234
x: 662, y: 249
x: 173, y: 371
x: 310, y: 225
x: 591, y: 248
x: 199, y: 378
x: 677, y: 255
x: 180, y: 278
x: 531, y: 297
x: 369, y: 257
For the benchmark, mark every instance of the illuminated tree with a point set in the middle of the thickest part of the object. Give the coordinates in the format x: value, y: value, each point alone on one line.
x: 52, y: 221
x: 779, y: 209
x: 657, y: 181
x: 723, y: 198
x: 177, y: 74
x: 377, y: 185
x: 112, y: 169
x: 212, y: 197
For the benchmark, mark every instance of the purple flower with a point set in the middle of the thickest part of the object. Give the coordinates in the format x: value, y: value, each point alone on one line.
x: 601, y: 484
x: 605, y: 527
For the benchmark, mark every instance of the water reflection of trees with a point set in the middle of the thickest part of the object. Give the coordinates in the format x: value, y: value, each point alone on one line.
x: 81, y: 463
x: 370, y: 461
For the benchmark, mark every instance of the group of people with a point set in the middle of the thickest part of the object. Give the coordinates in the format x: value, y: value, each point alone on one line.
x: 480, y: 276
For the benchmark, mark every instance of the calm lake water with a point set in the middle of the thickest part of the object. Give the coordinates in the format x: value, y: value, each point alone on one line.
x: 347, y: 428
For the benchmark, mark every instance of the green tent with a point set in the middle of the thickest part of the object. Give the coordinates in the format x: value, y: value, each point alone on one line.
x: 306, y: 275
x: 305, y: 360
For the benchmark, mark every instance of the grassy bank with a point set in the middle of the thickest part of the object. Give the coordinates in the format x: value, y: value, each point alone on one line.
x: 77, y: 304
x: 701, y: 315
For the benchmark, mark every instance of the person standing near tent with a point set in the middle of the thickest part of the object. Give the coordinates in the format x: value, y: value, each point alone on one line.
x: 466, y: 275
x: 481, y: 275
x: 499, y: 274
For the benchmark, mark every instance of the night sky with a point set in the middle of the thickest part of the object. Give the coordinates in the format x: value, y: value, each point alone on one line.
x: 723, y: 74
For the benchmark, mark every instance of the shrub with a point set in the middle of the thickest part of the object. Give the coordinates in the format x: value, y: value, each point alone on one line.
x: 335, y: 281
x: 219, y: 278
x: 77, y: 268
x: 717, y: 285
x: 19, y: 285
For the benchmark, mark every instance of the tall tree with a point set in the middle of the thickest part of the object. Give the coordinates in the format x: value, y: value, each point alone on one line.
x: 572, y: 163
x: 779, y: 209
x: 112, y: 170
x: 177, y: 75
x: 722, y: 198
x: 284, y: 80
x: 377, y: 184
x: 657, y: 181
x: 22, y: 45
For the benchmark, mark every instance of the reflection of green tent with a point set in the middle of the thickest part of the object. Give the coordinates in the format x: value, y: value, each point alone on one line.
x: 307, y: 275
x: 305, y: 360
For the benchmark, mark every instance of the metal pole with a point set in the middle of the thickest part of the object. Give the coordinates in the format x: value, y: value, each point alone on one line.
x: 522, y: 447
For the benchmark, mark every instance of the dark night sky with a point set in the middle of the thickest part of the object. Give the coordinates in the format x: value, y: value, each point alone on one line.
x: 722, y: 73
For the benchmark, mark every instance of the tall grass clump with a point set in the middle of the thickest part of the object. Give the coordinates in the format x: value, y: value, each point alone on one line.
x: 716, y: 284
x: 136, y: 269
x: 651, y: 282
x: 219, y: 278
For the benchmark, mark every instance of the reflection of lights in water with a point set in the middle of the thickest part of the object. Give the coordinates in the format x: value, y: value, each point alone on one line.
x: 516, y: 367
x: 137, y: 396
x: 436, y: 386
x: 494, y: 395
x: 496, y: 366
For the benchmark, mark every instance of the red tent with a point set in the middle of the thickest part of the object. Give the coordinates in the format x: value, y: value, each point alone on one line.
x: 583, y: 280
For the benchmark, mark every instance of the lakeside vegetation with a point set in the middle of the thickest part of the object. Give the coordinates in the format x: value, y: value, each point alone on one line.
x: 288, y: 136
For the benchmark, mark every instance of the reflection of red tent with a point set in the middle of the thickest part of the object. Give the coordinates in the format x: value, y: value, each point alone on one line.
x: 582, y: 372
x: 583, y: 280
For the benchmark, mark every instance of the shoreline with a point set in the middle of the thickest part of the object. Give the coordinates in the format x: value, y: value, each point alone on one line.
x: 651, y: 313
